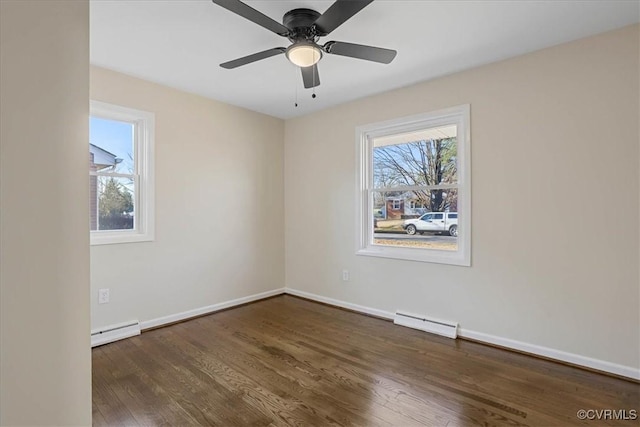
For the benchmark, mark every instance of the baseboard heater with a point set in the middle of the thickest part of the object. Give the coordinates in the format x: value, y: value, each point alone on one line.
x: 114, y: 333
x: 423, y: 323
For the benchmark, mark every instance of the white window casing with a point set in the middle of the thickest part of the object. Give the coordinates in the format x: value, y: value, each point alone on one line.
x: 365, y: 135
x: 143, y: 175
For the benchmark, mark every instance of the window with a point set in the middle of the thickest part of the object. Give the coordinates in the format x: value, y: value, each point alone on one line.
x: 395, y: 204
x: 413, y: 204
x: 423, y: 159
x: 120, y: 174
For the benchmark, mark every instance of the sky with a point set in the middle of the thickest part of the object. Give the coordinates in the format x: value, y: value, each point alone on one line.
x: 114, y: 136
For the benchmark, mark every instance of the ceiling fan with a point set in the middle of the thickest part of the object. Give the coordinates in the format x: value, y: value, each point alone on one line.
x: 304, y: 27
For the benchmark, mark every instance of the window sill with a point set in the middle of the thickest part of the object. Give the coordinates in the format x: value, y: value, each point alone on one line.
x: 112, y: 238
x: 421, y: 255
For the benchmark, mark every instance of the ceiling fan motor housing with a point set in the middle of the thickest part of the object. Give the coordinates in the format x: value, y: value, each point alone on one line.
x: 300, y: 23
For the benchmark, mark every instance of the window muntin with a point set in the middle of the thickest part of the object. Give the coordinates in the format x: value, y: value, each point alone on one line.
x: 120, y: 173
x: 419, y: 161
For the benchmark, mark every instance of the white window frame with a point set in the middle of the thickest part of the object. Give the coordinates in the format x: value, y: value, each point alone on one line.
x: 459, y: 116
x: 144, y: 126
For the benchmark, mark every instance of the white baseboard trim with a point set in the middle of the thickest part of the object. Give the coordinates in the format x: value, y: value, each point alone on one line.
x: 153, y: 323
x: 355, y: 307
x: 572, y: 358
x: 113, y: 333
x: 575, y: 359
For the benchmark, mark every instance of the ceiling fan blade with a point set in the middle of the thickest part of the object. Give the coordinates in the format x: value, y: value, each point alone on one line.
x: 338, y: 13
x: 369, y: 53
x: 246, y: 11
x: 310, y: 76
x: 253, y: 58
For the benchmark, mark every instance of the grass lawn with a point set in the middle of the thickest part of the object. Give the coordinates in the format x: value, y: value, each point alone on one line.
x: 389, y: 226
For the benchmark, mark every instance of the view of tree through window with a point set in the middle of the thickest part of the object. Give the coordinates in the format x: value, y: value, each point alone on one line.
x: 415, y: 174
x: 112, y: 174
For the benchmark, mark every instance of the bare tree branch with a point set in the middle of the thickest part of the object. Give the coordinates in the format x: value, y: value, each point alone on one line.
x: 423, y: 162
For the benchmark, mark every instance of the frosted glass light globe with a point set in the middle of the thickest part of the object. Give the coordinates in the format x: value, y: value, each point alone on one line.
x: 304, y: 54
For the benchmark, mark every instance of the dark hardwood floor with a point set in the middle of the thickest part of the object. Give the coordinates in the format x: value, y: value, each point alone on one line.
x: 288, y: 361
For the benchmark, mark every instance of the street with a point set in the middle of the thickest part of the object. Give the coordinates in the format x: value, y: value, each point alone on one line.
x: 434, y: 238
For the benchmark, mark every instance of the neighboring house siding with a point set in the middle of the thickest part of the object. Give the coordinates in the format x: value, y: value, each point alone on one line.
x: 394, y: 208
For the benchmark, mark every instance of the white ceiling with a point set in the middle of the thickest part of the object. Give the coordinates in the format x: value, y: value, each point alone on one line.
x: 180, y: 43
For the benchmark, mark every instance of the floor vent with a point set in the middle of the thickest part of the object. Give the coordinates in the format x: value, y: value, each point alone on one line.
x: 423, y: 323
x: 114, y: 333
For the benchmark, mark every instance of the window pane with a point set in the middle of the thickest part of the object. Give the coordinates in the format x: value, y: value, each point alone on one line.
x: 111, y: 149
x: 426, y: 157
x: 93, y: 201
x: 115, y: 203
x: 414, y: 227
x: 111, y: 146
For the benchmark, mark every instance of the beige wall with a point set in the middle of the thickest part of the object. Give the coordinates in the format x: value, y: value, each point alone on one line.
x: 554, y: 142
x: 219, y: 207
x: 45, y: 360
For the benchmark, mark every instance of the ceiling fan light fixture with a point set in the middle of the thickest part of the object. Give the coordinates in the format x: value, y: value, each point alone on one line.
x: 304, y: 54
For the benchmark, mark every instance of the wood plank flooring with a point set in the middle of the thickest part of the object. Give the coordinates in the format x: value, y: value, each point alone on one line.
x: 288, y: 361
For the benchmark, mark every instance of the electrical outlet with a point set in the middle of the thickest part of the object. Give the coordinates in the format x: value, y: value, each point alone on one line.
x: 345, y: 275
x: 103, y: 296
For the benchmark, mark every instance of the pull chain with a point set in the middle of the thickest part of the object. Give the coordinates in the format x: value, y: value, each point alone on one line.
x: 313, y: 95
x: 295, y: 104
